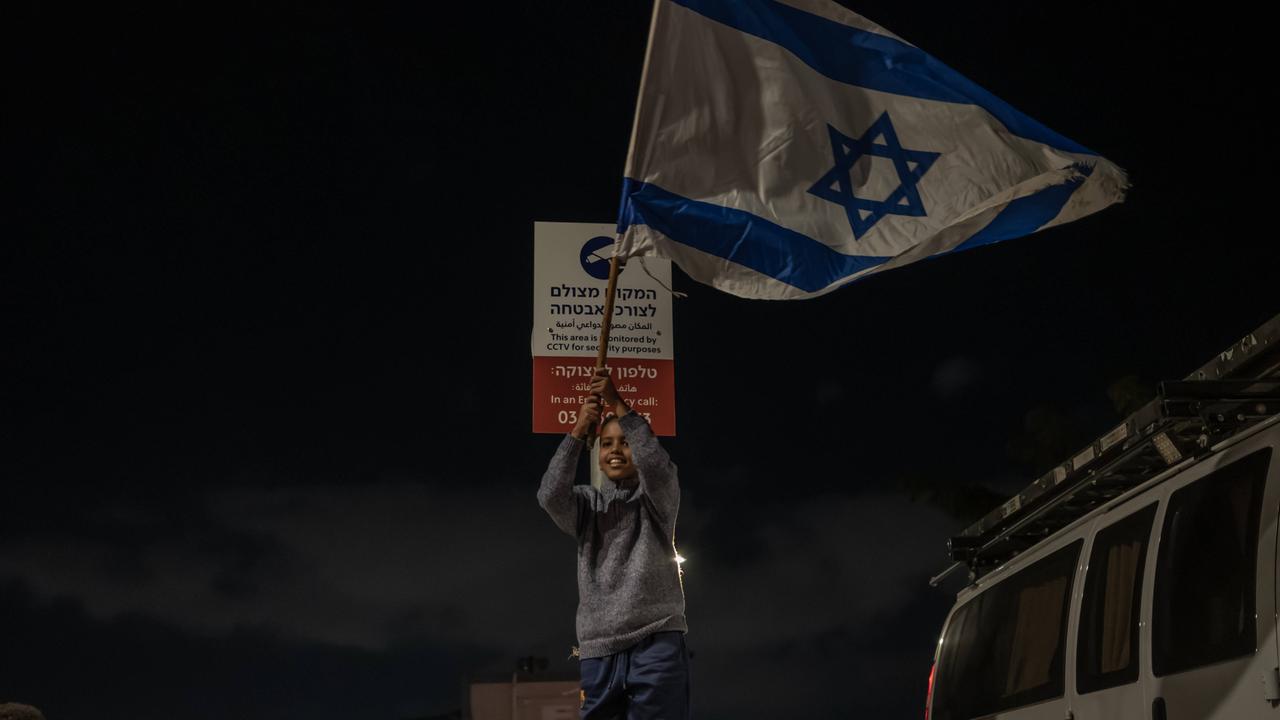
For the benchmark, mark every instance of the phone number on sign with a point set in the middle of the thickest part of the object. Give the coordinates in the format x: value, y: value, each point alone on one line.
x: 569, y: 417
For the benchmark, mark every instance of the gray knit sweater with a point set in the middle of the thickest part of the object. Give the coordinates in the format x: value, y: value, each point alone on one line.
x: 628, y: 581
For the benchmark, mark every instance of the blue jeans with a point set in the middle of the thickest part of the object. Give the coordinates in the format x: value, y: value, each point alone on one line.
x: 649, y: 681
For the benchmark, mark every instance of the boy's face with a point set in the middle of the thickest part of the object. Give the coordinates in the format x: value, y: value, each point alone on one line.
x: 615, y: 453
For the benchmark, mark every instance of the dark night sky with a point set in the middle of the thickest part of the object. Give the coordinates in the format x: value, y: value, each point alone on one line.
x: 265, y: 291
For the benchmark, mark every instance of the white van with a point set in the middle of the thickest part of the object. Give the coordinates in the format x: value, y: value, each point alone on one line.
x: 1127, y: 589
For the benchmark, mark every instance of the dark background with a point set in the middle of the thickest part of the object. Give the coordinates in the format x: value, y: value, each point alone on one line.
x: 265, y: 372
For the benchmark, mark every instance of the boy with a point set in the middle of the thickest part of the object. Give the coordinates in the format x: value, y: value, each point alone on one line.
x: 630, y: 621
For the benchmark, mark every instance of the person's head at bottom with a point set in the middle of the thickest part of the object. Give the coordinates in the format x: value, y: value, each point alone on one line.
x: 18, y: 711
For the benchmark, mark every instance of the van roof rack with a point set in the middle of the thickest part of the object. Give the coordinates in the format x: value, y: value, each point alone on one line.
x: 1237, y: 389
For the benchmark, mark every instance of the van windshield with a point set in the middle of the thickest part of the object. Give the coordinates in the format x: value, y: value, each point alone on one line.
x: 1004, y: 648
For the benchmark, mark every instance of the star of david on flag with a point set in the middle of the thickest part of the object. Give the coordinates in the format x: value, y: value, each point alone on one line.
x: 837, y: 185
x: 784, y: 148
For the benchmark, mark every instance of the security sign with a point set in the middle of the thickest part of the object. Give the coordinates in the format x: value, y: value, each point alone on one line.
x: 570, y: 275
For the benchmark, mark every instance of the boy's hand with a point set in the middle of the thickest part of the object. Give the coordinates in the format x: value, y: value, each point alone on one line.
x: 588, y: 418
x: 602, y: 385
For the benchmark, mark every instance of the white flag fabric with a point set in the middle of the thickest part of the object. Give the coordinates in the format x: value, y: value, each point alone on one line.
x: 783, y: 149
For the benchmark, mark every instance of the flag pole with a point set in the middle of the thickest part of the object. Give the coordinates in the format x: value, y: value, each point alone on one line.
x: 603, y: 353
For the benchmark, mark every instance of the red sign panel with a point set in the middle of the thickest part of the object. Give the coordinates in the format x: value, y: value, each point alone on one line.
x: 560, y: 386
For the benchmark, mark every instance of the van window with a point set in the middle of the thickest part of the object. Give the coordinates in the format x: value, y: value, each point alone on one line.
x: 1004, y: 648
x: 1107, y: 651
x: 1205, y: 586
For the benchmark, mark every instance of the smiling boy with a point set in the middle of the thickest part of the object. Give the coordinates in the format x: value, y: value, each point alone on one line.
x: 630, y: 621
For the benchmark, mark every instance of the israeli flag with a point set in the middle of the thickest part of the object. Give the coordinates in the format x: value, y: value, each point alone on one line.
x: 783, y: 149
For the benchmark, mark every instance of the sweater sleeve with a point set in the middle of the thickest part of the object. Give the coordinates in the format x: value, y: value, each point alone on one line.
x: 556, y: 494
x: 657, y: 472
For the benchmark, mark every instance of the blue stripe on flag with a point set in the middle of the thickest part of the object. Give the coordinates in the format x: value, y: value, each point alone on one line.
x: 1026, y: 215
x: 869, y: 60
x: 738, y: 236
